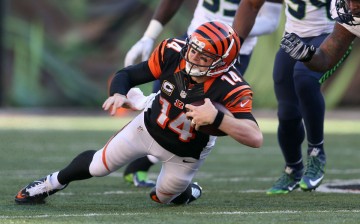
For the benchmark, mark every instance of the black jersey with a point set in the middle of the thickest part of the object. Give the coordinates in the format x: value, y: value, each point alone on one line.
x: 166, y: 120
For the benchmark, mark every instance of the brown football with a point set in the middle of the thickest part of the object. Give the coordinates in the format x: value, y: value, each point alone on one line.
x: 210, y: 129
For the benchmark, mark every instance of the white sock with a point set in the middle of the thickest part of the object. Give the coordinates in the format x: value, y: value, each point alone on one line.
x: 54, y: 181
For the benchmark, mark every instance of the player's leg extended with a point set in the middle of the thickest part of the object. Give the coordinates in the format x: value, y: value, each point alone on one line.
x: 117, y: 152
x: 174, y: 181
x: 313, y: 111
x: 290, y: 130
x: 130, y: 143
x: 137, y: 171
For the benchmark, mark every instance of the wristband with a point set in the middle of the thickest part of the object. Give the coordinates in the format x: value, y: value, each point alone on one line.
x: 218, y: 119
x: 154, y: 29
x: 309, y: 54
x: 241, y: 41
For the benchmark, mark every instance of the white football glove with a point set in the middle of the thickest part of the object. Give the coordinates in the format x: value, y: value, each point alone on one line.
x: 298, y: 50
x: 137, y: 100
x: 142, y: 48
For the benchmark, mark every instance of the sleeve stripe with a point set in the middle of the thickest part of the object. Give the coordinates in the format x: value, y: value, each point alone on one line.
x: 155, y: 60
x: 238, y: 89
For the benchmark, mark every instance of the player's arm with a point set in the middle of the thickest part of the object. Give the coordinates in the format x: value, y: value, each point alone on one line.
x: 122, y: 82
x: 131, y: 76
x: 166, y: 10
x: 268, y: 18
x: 326, y: 56
x: 245, y: 17
x: 244, y: 130
x: 163, y: 14
x: 331, y: 50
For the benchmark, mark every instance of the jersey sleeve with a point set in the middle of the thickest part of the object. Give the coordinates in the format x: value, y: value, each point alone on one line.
x: 156, y: 60
x: 239, y: 102
x: 165, y: 55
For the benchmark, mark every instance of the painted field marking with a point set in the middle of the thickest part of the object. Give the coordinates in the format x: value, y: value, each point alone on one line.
x: 180, y: 213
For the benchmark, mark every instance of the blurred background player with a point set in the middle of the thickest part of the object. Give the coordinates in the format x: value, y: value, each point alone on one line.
x: 301, y: 105
x: 347, y: 27
x: 224, y: 11
x: 199, y: 69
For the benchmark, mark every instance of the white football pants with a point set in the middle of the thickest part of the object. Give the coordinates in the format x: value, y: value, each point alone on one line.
x: 134, y: 141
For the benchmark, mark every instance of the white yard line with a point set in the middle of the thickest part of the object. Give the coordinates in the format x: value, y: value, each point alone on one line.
x: 180, y: 213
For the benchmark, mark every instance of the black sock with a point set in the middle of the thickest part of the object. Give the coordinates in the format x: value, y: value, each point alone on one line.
x: 141, y: 164
x: 78, y: 169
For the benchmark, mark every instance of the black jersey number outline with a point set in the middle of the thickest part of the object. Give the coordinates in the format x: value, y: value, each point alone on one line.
x: 214, y: 6
x: 299, y: 12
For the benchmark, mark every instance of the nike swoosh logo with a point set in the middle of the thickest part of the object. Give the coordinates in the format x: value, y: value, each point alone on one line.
x: 316, y: 182
x: 243, y: 104
x: 291, y: 188
x: 187, y: 161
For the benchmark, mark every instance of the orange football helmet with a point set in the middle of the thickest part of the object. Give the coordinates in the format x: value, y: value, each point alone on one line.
x: 216, y: 40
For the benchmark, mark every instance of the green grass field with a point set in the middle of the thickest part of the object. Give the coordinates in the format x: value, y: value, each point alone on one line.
x: 234, y: 178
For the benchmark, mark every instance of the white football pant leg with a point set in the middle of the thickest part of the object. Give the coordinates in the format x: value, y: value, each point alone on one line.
x: 175, y: 176
x: 132, y: 142
x: 176, y: 172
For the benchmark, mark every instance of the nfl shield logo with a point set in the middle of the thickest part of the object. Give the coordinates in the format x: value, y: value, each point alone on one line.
x: 183, y: 94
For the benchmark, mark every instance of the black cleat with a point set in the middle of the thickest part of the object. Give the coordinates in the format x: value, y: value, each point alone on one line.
x: 36, y: 192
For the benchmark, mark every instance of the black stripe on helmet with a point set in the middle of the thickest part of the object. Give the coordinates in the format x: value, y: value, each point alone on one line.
x: 224, y: 32
x: 207, y: 38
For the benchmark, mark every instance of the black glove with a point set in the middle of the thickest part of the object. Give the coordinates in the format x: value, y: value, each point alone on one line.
x: 293, y: 45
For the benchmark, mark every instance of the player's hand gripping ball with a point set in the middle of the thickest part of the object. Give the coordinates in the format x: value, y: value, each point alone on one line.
x: 211, y: 129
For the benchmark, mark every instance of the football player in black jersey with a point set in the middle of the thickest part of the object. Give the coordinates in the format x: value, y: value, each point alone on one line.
x: 200, y: 68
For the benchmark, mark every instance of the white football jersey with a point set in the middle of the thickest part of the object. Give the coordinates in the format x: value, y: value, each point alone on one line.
x: 223, y: 11
x: 308, y: 18
x: 353, y: 29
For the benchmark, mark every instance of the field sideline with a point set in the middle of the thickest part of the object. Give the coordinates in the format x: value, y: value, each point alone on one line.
x: 337, y: 122
x: 234, y: 178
